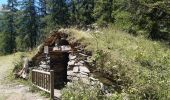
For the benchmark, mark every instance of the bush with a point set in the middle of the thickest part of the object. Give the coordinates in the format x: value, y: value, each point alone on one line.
x: 81, y: 91
x: 123, y: 20
x: 135, y: 65
x: 18, y: 64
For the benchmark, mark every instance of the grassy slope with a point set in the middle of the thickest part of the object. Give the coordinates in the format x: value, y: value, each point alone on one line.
x: 7, y: 65
x: 140, y: 65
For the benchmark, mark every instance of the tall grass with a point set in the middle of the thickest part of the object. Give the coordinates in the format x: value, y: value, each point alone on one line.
x: 138, y: 66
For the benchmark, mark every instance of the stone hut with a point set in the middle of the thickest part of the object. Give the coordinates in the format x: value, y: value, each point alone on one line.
x: 58, y: 53
x: 67, y: 59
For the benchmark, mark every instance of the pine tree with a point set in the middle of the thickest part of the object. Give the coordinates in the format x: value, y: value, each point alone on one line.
x: 86, y: 11
x: 9, y: 29
x: 42, y: 7
x: 59, y: 12
x: 103, y: 11
x: 81, y: 12
x: 28, y: 27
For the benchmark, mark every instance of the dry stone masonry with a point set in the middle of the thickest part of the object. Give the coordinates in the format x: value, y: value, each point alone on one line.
x: 66, y: 57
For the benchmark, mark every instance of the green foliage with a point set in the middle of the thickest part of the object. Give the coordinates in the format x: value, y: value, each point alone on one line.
x: 123, y: 20
x: 18, y: 65
x: 28, y: 23
x: 81, y: 91
x: 81, y: 12
x: 137, y: 66
x: 103, y: 12
x: 7, y: 30
x: 59, y: 12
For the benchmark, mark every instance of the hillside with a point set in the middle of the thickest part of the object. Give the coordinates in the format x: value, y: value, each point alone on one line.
x: 131, y: 67
x: 123, y: 43
x: 136, y: 66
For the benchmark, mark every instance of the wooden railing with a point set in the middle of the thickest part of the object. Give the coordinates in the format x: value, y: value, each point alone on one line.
x: 44, y: 81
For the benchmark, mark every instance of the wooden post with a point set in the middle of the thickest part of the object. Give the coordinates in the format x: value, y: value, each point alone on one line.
x: 32, y: 76
x: 52, y: 85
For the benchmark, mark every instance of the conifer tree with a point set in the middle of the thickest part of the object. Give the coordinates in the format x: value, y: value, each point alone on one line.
x: 8, y: 28
x: 28, y: 27
x: 59, y: 12
x: 103, y: 11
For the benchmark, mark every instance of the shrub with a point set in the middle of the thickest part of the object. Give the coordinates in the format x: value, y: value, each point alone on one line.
x: 80, y: 91
x: 123, y: 20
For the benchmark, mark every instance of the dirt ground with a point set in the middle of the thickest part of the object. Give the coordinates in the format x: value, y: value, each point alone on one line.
x: 11, y: 90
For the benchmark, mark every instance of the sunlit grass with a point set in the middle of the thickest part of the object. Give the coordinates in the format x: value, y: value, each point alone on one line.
x: 143, y: 62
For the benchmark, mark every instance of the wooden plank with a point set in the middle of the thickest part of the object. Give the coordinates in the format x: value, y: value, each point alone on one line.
x: 44, y: 81
x: 40, y: 71
x: 52, y: 84
x: 49, y: 82
x: 40, y: 79
x: 35, y: 81
x: 32, y: 76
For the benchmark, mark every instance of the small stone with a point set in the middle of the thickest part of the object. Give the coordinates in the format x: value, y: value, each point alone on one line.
x: 84, y: 55
x: 82, y: 75
x: 93, y: 79
x: 65, y: 48
x: 75, y: 78
x: 56, y: 48
x: 84, y: 69
x: 75, y: 69
x: 72, y: 62
x: 72, y: 57
x: 79, y: 64
x: 82, y: 62
x: 70, y: 73
x: 69, y: 83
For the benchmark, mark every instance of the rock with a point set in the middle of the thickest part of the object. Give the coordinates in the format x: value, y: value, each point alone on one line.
x: 79, y: 64
x: 72, y: 57
x: 69, y: 83
x: 70, y: 73
x: 56, y: 49
x: 65, y: 48
x: 93, y: 79
x: 75, y: 78
x: 71, y: 62
x: 82, y: 75
x: 45, y: 66
x: 42, y: 62
x: 84, y: 55
x: 84, y: 69
x: 76, y: 69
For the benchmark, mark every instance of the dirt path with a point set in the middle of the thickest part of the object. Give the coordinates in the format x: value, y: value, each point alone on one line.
x: 13, y: 91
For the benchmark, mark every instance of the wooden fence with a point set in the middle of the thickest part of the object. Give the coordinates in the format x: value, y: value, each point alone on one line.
x: 44, y: 81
